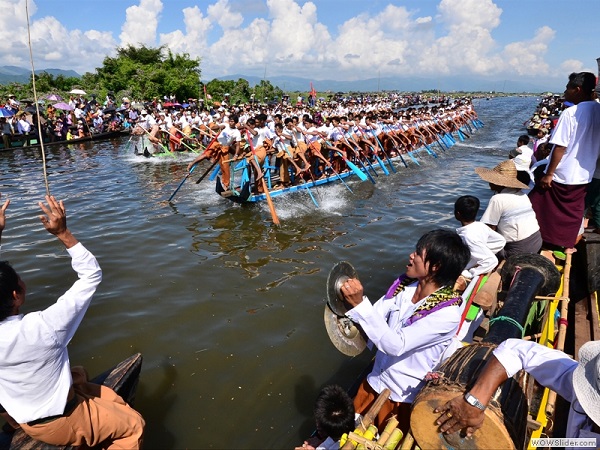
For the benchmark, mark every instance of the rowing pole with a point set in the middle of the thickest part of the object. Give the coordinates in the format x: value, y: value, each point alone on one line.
x: 264, y: 183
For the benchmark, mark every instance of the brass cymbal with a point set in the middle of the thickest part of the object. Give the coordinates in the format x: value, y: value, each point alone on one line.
x: 345, y: 335
x: 341, y: 272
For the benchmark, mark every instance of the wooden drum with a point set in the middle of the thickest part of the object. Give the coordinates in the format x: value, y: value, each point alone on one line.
x: 505, y: 423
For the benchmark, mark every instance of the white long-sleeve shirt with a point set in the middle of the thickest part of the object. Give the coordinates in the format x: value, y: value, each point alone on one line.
x: 551, y: 368
x: 484, y: 243
x: 35, y: 372
x: 405, y: 352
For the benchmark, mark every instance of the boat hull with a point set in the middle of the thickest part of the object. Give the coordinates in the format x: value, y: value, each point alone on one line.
x: 122, y: 378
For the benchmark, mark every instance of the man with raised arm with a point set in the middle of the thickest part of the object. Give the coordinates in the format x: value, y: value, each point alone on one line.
x: 51, y: 401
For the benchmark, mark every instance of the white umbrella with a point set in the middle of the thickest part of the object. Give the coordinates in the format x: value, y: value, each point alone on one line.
x: 77, y: 91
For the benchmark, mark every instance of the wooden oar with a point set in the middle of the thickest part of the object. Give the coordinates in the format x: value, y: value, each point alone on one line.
x: 399, y: 153
x: 364, y: 168
x: 386, y: 155
x: 160, y: 143
x: 292, y: 156
x: 182, y: 181
x: 207, y: 171
x: 181, y: 140
x: 359, y: 173
x: 358, y: 152
x: 264, y: 183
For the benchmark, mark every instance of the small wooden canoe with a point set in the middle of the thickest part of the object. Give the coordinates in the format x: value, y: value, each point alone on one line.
x: 123, y: 379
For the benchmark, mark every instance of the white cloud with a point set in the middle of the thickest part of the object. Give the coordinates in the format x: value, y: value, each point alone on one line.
x: 141, y: 23
x: 221, y: 13
x: 287, y: 37
x: 572, y: 65
x: 194, y: 40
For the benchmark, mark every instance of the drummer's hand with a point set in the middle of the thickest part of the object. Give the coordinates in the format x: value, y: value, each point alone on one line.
x: 352, y: 291
x: 457, y: 414
x: 305, y: 446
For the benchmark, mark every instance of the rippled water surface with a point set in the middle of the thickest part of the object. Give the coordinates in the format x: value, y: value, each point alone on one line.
x: 226, y: 308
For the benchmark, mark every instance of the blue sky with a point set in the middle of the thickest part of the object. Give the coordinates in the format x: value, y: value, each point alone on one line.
x: 320, y: 39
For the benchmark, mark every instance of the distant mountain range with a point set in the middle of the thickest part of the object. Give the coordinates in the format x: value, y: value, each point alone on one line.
x: 406, y: 84
x: 13, y: 74
x: 10, y: 74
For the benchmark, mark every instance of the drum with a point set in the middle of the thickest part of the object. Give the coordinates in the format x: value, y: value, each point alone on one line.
x: 505, y: 423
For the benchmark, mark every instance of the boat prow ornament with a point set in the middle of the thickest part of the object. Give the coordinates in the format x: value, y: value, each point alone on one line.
x: 345, y: 335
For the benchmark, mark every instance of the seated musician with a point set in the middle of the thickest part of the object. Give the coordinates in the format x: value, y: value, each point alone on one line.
x: 39, y: 391
x: 576, y: 382
x: 411, y: 325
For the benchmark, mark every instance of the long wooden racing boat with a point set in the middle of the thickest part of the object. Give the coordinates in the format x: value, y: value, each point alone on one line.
x: 123, y: 379
x: 243, y: 192
x: 19, y: 142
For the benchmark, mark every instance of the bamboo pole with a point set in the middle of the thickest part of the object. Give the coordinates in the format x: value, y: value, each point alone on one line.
x: 562, y: 328
x: 408, y: 442
x: 369, y: 417
x: 391, y: 425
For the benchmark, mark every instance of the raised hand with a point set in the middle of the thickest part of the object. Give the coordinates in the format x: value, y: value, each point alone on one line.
x: 55, y: 220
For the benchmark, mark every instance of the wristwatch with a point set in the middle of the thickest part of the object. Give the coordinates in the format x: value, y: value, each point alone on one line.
x: 473, y: 401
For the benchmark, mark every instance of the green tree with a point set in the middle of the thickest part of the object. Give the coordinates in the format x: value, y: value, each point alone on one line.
x: 145, y: 72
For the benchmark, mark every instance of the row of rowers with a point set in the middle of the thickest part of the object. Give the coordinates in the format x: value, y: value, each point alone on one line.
x: 189, y: 119
x: 305, y: 145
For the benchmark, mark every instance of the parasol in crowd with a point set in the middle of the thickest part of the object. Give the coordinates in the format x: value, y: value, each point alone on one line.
x: 54, y: 98
x: 63, y: 106
x: 5, y: 112
x: 77, y: 92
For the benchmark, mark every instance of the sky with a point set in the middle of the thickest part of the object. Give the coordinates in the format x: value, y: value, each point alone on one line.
x: 341, y: 40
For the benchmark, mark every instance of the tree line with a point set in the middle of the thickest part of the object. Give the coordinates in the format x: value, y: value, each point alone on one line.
x: 144, y: 73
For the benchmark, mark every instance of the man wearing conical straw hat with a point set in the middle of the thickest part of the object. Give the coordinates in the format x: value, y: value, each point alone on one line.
x: 509, y: 211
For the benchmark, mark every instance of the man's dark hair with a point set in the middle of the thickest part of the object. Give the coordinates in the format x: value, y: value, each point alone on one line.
x: 234, y: 119
x: 585, y: 80
x: 523, y: 140
x: 446, y: 254
x: 467, y: 206
x: 9, y: 283
x: 334, y: 412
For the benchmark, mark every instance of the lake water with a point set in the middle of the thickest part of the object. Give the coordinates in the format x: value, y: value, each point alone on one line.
x: 226, y: 308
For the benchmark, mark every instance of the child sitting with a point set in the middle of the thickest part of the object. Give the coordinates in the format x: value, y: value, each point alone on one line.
x: 334, y: 416
x: 483, y: 242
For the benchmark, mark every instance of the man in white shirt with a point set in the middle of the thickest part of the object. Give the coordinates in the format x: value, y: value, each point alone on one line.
x: 38, y: 389
x: 522, y: 157
x: 559, y: 197
x: 509, y: 211
x: 411, y: 325
x: 576, y: 382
